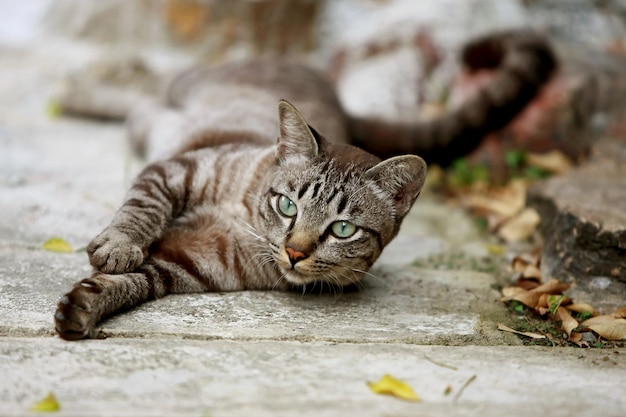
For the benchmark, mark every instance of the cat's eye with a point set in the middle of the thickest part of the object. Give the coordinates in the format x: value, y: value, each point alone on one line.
x: 343, y: 229
x: 286, y: 207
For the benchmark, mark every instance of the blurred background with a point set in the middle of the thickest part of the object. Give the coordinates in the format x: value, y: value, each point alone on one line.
x: 391, y: 58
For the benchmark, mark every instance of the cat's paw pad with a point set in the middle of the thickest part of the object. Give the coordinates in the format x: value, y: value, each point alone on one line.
x: 113, y: 252
x: 76, y: 315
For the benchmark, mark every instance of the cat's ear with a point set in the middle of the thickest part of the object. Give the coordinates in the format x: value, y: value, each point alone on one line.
x: 402, y: 177
x: 295, y: 138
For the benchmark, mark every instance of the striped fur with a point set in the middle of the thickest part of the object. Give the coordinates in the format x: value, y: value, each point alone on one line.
x: 208, y: 219
x: 227, y: 207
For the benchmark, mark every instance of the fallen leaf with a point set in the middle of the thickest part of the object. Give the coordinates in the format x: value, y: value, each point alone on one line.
x: 615, y: 330
x: 495, y: 249
x: 568, y: 323
x: 582, y: 308
x: 620, y: 313
x: 527, y: 283
x: 528, y: 298
x: 46, y: 405
x: 553, y: 161
x: 509, y: 292
x: 554, y: 286
x: 528, y: 334
x: 575, y: 337
x: 56, y: 244
x: 389, y: 385
x: 604, y: 319
x: 521, y: 226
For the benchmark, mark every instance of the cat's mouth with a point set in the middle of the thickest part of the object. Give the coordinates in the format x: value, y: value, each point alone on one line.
x: 295, y: 276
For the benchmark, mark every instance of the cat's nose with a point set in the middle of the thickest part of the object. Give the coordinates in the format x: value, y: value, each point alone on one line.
x: 295, y: 255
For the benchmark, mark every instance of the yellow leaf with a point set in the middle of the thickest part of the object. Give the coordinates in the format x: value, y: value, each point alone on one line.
x: 495, y: 249
x: 47, y: 405
x: 56, y: 244
x: 389, y: 385
x: 54, y: 110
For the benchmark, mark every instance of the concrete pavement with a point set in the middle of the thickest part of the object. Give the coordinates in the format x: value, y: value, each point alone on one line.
x: 250, y: 353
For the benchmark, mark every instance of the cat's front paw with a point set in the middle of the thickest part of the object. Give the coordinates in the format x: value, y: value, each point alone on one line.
x: 113, y: 252
x: 77, y: 314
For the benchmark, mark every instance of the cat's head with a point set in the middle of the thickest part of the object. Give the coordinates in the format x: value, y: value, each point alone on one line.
x: 331, y: 209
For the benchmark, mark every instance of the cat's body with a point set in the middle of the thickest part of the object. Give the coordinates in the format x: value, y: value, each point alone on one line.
x: 234, y: 209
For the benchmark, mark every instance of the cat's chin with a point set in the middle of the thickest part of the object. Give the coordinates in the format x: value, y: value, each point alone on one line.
x: 294, y: 277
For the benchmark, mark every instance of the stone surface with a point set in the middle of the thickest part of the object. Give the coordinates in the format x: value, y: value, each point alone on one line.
x: 249, y: 353
x: 184, y: 377
x: 583, y: 223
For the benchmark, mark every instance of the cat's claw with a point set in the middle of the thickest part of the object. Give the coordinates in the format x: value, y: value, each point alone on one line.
x: 113, y: 252
x: 75, y: 318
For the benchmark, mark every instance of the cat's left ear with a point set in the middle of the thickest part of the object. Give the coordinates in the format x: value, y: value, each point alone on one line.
x: 295, y: 138
x: 402, y: 177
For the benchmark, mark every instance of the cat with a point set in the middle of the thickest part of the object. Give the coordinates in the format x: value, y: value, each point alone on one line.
x: 247, y: 201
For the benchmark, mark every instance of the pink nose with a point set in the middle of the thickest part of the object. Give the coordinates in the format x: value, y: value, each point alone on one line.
x: 295, y: 255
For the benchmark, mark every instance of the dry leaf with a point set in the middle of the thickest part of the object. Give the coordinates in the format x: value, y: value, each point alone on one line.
x: 389, y: 385
x: 56, y: 244
x: 553, y: 286
x: 528, y: 334
x: 604, y: 319
x: 582, y: 308
x: 620, y: 313
x: 553, y: 161
x: 615, y: 330
x: 527, y: 283
x: 575, y: 337
x: 567, y: 321
x: 46, y: 405
x: 510, y: 292
x: 521, y: 226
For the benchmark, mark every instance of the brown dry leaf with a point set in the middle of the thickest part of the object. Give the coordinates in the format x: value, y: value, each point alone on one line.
x: 554, y: 286
x: 527, y: 267
x: 528, y: 334
x: 521, y: 226
x: 509, y: 292
x: 505, y: 201
x: 568, y: 323
x: 604, y: 319
x: 615, y: 330
x: 575, y: 337
x: 553, y: 161
x: 620, y: 313
x: 527, y: 284
x: 582, y: 308
x: 528, y: 298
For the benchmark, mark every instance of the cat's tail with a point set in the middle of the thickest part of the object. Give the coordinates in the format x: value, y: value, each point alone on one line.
x: 523, y: 61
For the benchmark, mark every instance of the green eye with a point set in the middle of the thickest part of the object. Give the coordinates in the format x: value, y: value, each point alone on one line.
x: 287, y: 207
x: 343, y: 229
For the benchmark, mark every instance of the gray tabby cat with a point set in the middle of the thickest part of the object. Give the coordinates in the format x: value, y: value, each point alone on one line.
x: 246, y: 201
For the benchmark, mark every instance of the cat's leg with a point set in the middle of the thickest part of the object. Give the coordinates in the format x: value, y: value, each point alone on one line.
x: 162, y: 192
x: 200, y: 253
x: 95, y: 298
